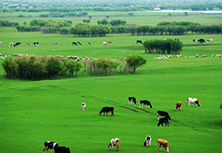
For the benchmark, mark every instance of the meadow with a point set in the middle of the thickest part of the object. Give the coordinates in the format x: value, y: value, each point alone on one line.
x: 32, y: 112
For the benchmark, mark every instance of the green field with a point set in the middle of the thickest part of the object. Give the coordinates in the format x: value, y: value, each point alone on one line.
x: 32, y: 112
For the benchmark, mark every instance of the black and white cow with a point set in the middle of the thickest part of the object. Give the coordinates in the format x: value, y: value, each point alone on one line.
x: 55, y: 43
x: 78, y: 42
x: 107, y: 110
x: 139, y: 41
x: 35, y: 43
x: 61, y: 150
x: 83, y: 106
x: 17, y: 44
x: 163, y: 113
x: 50, y: 145
x: 163, y: 120
x: 201, y: 41
x: 132, y: 100
x: 147, y: 141
x: 193, y: 40
x: 74, y: 43
x: 177, y: 39
x: 11, y: 44
x: 145, y: 102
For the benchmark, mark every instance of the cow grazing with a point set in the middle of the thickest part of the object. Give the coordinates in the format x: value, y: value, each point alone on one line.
x: 74, y: 43
x: 78, y: 42
x: 209, y: 40
x: 163, y: 113
x: 193, y: 100
x: 163, y: 120
x: 163, y: 143
x: 107, y: 110
x: 89, y: 43
x: 145, y: 102
x: 83, y: 107
x: 28, y: 44
x: 177, y: 39
x: 104, y: 43
x: 110, y: 42
x: 193, y: 40
x: 139, y: 41
x: 35, y: 43
x: 178, y: 105
x: 61, y: 150
x: 114, y: 143
x: 1, y: 42
x: 55, y: 43
x: 11, y: 44
x: 17, y: 44
x: 147, y: 141
x: 50, y: 145
x: 132, y: 100
x: 201, y: 41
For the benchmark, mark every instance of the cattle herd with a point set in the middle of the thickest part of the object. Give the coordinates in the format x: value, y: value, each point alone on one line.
x: 115, y: 142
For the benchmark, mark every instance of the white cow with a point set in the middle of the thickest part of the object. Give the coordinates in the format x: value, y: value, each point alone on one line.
x: 83, y: 107
x: 193, y: 100
x: 104, y: 43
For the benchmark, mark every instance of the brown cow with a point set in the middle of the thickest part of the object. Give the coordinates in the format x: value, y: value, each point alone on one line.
x: 178, y: 105
x: 164, y: 143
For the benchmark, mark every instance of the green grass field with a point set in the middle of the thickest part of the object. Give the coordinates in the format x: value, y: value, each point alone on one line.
x: 32, y: 112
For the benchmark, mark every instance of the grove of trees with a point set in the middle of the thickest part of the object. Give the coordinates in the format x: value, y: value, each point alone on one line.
x: 167, y: 46
x: 51, y: 67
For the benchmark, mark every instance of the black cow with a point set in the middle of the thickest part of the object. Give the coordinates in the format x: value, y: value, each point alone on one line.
x: 74, y: 43
x: 139, y: 41
x: 163, y: 120
x: 132, y: 99
x: 145, y: 102
x: 162, y: 113
x: 201, y: 41
x: 107, y: 110
x: 35, y: 43
x: 50, y: 145
x: 17, y: 44
x: 177, y: 39
x: 193, y: 40
x: 62, y: 150
x: 78, y: 42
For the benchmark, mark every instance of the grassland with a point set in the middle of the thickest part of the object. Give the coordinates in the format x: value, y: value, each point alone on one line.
x: 32, y: 112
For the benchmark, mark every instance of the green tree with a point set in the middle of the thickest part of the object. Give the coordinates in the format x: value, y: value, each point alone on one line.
x: 135, y: 61
x: 53, y: 67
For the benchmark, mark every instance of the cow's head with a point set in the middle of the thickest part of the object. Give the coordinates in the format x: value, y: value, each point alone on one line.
x: 109, y: 146
x: 167, y: 149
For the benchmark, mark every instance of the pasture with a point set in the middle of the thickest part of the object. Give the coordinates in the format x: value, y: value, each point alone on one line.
x: 33, y: 112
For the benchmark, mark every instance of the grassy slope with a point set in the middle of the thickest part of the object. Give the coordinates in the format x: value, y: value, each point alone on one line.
x: 35, y: 111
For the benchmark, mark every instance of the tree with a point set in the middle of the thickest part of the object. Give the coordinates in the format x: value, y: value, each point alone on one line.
x: 72, y: 66
x: 185, y: 13
x: 135, y: 61
x: 53, y: 67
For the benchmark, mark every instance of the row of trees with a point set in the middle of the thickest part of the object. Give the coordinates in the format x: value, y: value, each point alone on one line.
x: 8, y: 23
x: 112, y: 22
x: 35, y: 67
x: 108, y: 5
x: 118, y: 26
x: 167, y: 46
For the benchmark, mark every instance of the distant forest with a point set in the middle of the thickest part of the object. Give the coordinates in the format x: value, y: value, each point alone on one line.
x: 106, y: 5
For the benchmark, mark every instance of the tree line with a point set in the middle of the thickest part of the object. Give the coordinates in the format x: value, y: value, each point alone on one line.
x: 108, y: 5
x: 167, y: 46
x: 52, y: 67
